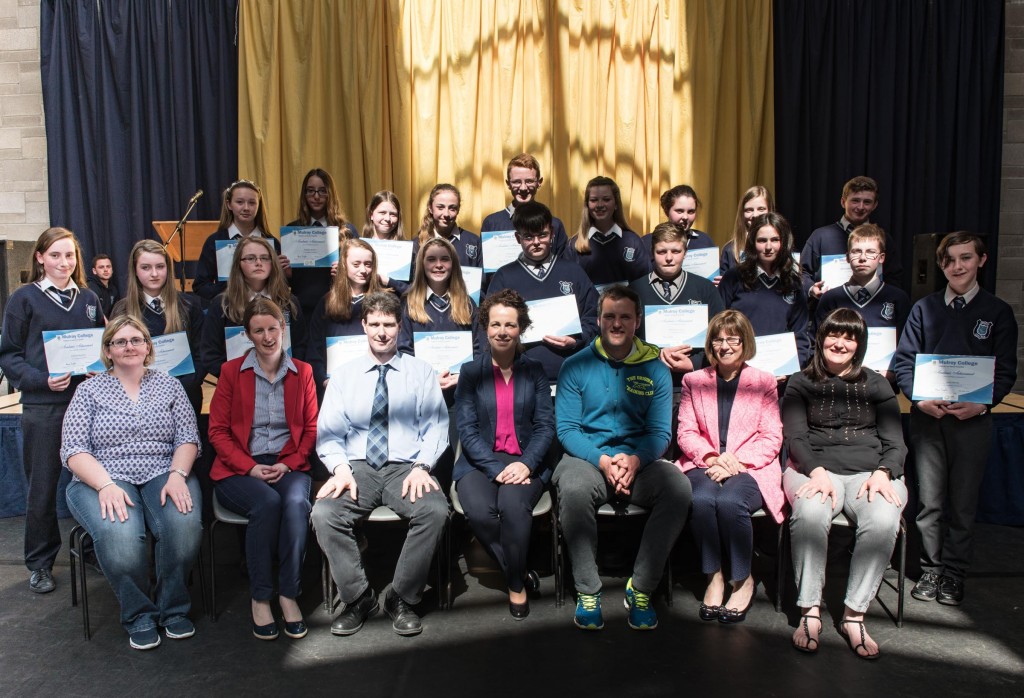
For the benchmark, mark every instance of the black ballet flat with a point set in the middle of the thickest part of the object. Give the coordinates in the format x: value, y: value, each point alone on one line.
x: 708, y: 613
x: 519, y: 610
x: 729, y: 616
x: 532, y: 582
x: 296, y: 630
x: 265, y: 632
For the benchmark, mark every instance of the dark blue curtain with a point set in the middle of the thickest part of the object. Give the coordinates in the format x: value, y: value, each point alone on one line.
x: 141, y: 111
x: 910, y: 93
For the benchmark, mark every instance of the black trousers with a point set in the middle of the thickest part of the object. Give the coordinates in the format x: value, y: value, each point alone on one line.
x: 41, y: 429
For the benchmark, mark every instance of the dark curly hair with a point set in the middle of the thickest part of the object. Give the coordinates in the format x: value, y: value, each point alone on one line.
x: 510, y: 299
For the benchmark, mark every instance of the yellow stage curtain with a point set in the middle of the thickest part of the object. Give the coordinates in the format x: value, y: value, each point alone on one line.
x: 403, y: 94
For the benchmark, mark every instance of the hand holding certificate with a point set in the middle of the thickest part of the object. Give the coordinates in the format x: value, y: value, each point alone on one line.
x: 73, y: 351
x: 445, y: 351
x: 310, y: 247
x: 776, y: 354
x: 554, y: 317
x: 954, y: 378
x: 835, y: 270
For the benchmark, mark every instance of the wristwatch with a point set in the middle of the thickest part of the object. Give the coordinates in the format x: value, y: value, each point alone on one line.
x: 422, y: 466
x: 882, y: 468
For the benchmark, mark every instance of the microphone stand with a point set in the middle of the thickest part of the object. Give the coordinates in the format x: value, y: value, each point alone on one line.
x: 179, y: 231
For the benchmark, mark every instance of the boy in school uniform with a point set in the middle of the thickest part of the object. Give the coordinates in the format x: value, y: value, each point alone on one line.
x: 951, y: 440
x: 669, y: 284
x: 859, y: 201
x: 879, y: 303
x: 523, y: 179
x: 539, y: 273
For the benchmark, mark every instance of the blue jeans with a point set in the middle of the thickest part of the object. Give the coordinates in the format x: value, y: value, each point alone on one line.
x: 123, y: 550
x: 278, y: 523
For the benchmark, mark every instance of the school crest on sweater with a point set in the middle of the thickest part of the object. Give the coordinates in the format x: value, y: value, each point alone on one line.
x: 471, y: 251
x: 629, y: 254
x: 565, y: 287
x: 888, y: 311
x: 983, y: 330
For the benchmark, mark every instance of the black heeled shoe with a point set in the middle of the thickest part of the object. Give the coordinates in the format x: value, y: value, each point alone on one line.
x: 265, y: 632
x: 708, y: 613
x: 518, y: 611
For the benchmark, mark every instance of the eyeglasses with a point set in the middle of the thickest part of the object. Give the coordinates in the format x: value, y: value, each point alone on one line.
x: 530, y: 237
x: 530, y: 183
x: 122, y: 343
x: 731, y: 341
x: 313, y: 191
x: 252, y: 259
x: 869, y: 254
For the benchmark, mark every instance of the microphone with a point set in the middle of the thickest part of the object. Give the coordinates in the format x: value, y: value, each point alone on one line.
x: 195, y: 197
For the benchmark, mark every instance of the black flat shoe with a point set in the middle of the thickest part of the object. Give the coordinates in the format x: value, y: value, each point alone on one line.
x: 708, y: 612
x: 532, y: 581
x: 519, y: 610
x: 729, y: 616
x: 295, y: 630
x: 265, y: 632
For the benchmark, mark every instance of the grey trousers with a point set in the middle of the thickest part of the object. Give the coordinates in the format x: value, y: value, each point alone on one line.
x: 334, y: 521
x: 877, y: 524
x: 581, y: 488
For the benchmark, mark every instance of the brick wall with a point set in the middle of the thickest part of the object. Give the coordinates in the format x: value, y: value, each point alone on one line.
x: 1010, y: 275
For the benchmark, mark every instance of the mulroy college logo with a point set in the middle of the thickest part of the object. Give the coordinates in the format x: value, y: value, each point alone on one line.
x: 471, y: 251
x: 629, y: 254
x: 983, y: 330
x: 888, y: 310
x: 90, y: 311
x: 565, y: 287
x: 790, y: 297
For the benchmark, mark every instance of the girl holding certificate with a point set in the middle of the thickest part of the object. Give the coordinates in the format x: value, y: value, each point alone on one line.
x: 263, y: 427
x: 437, y: 301
x: 152, y: 295
x: 755, y: 202
x: 440, y: 221
x: 339, y: 313
x: 319, y: 207
x: 130, y: 439
x: 384, y: 217
x: 604, y: 245
x: 243, y: 215
x: 766, y: 285
x: 56, y: 299
x: 730, y: 435
x: 255, y: 271
x: 506, y: 421
x: 845, y: 442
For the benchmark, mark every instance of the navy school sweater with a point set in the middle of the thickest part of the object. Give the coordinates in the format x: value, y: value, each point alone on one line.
x: 698, y: 240
x: 769, y: 311
x: 986, y: 327
x: 29, y: 312
x: 695, y: 291
x: 563, y: 278
x: 440, y: 321
x: 501, y: 220
x: 619, y: 260
x: 205, y: 285
x: 467, y: 246
x: 831, y: 240
x: 888, y: 307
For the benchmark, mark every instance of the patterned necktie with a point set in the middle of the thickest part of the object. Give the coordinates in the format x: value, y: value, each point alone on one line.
x: 959, y: 303
x: 377, y: 435
x: 157, y: 306
x: 666, y: 289
x: 862, y: 296
x: 440, y: 302
x: 318, y: 224
x: 538, y: 270
x: 65, y: 297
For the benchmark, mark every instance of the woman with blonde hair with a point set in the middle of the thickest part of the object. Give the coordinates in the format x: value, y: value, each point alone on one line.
x: 440, y: 221
x: 755, y: 202
x: 604, y: 245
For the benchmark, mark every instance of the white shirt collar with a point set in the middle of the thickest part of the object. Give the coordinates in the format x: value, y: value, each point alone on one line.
x: 456, y: 234
x: 615, y: 229
x: 150, y: 299
x: 234, y: 232
x: 968, y: 297
x: 45, y: 283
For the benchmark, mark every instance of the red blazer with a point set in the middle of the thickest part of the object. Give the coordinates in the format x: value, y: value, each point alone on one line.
x: 755, y: 429
x: 231, y: 413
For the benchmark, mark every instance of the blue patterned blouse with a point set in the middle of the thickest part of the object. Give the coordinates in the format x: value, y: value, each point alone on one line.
x: 133, y: 441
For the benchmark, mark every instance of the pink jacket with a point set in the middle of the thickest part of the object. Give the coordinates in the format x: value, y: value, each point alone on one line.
x: 755, y: 430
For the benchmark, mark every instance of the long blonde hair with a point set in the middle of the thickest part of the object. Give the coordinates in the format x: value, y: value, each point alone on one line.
x: 338, y: 301
x: 50, y: 236
x: 416, y: 297
x: 739, y: 229
x: 134, y: 293
x: 236, y: 296
x: 427, y: 224
x: 582, y: 239
x: 260, y: 219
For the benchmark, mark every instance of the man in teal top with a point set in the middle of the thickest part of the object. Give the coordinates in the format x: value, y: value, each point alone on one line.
x: 614, y: 407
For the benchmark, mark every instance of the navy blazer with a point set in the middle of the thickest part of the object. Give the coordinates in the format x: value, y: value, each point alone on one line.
x: 476, y: 413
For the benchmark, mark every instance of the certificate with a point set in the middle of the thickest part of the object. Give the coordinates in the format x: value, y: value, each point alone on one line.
x: 341, y: 350
x: 500, y: 248
x: 703, y: 262
x: 881, y: 348
x: 172, y: 354
x: 672, y: 325
x: 73, y: 351
x: 310, y: 247
x: 445, y: 351
x: 776, y: 354
x: 225, y: 253
x: 556, y: 316
x: 236, y: 343
x: 835, y: 270
x: 394, y: 257
x: 954, y: 378
x: 473, y: 276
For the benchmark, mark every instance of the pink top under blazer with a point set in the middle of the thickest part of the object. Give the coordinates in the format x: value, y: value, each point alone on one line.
x: 755, y: 429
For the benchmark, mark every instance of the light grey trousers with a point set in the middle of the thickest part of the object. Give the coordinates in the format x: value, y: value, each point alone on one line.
x: 877, y: 523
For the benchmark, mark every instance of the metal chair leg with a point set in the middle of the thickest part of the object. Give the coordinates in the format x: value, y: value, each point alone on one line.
x: 902, y: 573
x: 213, y: 573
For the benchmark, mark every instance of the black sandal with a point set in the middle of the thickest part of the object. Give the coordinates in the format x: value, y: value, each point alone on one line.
x: 849, y: 640
x: 809, y: 648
